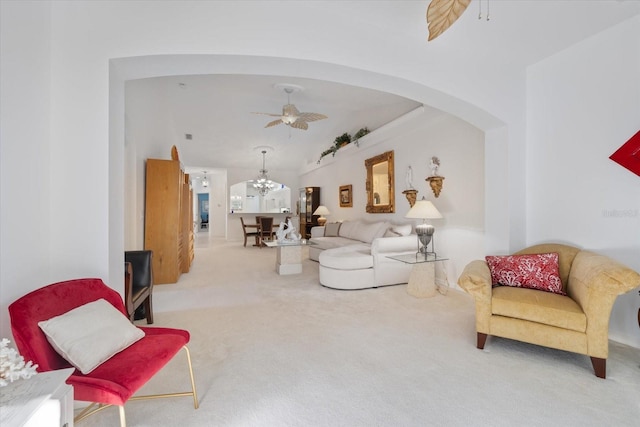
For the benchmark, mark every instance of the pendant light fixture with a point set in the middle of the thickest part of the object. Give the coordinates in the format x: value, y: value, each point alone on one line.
x: 263, y: 184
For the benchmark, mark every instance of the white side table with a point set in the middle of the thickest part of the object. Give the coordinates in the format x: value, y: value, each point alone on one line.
x: 422, y: 280
x: 289, y: 257
x: 44, y: 400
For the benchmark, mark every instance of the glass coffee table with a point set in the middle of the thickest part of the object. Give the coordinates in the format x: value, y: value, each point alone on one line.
x: 422, y: 281
x: 289, y: 257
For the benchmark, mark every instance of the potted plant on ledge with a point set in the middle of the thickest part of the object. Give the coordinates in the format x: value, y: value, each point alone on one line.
x: 342, y: 140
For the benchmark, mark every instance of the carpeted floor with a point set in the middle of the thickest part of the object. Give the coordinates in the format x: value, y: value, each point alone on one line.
x: 273, y: 350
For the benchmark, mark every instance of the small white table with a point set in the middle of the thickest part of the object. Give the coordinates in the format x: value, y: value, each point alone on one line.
x: 422, y: 281
x: 289, y: 258
x: 44, y: 400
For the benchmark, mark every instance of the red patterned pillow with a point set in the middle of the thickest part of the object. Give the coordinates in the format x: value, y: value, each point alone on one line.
x: 534, y: 271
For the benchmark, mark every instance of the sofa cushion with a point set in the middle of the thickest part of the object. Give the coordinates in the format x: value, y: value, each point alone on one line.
x: 347, y: 229
x: 331, y: 229
x: 533, y: 271
x: 352, y: 257
x: 396, y: 230
x: 368, y: 231
x: 323, y: 243
x: 541, y: 307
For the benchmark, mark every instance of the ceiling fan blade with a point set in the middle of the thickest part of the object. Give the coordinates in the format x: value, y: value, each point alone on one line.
x: 268, y: 114
x: 441, y: 14
x: 300, y: 124
x: 273, y: 123
x: 311, y: 117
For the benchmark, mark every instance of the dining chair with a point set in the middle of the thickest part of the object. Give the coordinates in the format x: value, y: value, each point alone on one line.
x: 138, y: 285
x: 265, y: 229
x: 248, y: 233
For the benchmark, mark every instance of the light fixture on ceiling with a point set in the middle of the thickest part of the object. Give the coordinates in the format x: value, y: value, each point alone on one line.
x: 291, y: 116
x: 263, y: 184
x: 205, y: 182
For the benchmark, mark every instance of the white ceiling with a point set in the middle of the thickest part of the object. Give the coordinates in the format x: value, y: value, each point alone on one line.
x: 217, y: 109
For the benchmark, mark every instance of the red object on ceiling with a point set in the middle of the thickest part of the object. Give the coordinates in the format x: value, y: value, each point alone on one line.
x: 628, y: 155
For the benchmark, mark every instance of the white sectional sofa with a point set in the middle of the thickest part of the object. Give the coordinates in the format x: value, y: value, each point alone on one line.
x: 353, y: 254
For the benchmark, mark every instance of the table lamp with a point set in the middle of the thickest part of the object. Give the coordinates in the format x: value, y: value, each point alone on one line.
x: 322, y: 211
x: 424, y: 209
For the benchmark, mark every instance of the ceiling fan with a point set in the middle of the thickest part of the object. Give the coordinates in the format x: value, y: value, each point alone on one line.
x: 290, y: 115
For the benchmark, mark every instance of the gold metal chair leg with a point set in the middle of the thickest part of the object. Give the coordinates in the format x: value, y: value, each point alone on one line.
x: 123, y: 421
x: 193, y: 383
x: 185, y: 393
x: 86, y: 412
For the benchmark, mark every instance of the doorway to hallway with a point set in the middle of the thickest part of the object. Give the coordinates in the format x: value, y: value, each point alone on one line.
x: 203, y: 211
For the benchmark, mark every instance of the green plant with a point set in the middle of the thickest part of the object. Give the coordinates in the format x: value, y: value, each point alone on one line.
x: 362, y: 132
x: 343, y: 139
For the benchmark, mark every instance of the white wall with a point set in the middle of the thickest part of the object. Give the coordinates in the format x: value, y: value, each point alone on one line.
x: 583, y: 104
x: 68, y: 62
x: 148, y: 134
x: 25, y: 199
x: 460, y: 148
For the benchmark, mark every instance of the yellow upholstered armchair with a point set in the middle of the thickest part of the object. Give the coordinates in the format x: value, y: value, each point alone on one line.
x: 576, y: 322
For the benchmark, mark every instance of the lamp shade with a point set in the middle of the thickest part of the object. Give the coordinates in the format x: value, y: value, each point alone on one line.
x: 322, y: 210
x: 423, y: 209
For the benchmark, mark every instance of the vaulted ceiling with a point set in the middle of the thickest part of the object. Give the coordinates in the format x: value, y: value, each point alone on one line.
x: 217, y: 110
x: 213, y: 118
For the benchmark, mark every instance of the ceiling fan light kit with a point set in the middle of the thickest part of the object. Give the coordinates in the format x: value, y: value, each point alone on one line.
x: 291, y: 116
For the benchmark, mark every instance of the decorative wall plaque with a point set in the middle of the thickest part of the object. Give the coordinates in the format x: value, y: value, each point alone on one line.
x: 628, y: 155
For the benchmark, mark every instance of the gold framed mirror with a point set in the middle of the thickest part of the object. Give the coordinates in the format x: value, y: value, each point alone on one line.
x: 380, y: 184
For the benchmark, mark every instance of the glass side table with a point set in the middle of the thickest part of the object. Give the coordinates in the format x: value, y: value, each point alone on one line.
x: 422, y: 281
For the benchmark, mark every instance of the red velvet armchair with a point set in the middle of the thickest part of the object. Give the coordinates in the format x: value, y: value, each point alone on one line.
x: 113, y: 382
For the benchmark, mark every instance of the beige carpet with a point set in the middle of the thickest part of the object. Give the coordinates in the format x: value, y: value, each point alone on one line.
x: 275, y: 350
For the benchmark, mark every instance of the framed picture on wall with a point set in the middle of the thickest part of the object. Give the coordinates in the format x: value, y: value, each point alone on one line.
x: 346, y: 199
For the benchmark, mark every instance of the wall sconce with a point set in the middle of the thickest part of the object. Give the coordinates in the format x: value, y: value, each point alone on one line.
x: 435, y: 180
x: 411, y: 195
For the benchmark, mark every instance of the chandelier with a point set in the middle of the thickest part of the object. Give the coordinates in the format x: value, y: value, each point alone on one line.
x: 263, y: 184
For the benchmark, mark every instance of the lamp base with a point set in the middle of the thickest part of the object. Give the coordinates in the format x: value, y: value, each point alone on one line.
x: 322, y: 221
x: 425, y: 236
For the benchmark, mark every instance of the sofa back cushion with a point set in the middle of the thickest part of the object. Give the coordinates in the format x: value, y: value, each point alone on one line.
x: 331, y: 229
x: 396, y: 230
x: 347, y: 229
x: 363, y: 231
x: 366, y: 232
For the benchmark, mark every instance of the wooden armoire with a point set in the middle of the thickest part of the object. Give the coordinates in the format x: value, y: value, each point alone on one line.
x: 168, y: 219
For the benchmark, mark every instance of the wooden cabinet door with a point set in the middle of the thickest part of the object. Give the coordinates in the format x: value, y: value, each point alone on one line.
x: 163, y: 186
